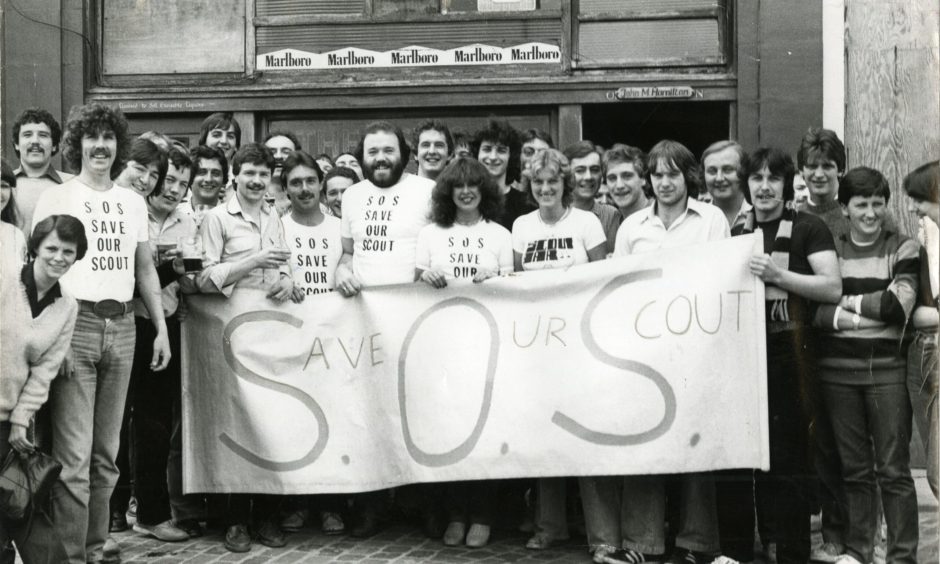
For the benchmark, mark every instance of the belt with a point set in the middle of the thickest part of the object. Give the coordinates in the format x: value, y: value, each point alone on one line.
x: 106, y: 309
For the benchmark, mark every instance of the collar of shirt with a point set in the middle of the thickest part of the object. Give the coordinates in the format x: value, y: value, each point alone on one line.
x: 51, y: 173
x: 32, y: 293
x: 742, y: 213
x: 692, y: 205
x: 235, y: 208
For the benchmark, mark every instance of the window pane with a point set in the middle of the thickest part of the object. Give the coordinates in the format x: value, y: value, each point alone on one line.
x: 648, y: 41
x: 308, y: 7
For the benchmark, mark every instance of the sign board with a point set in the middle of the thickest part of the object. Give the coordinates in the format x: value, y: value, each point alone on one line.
x: 654, y: 93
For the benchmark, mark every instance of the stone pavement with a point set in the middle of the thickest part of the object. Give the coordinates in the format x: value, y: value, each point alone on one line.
x: 403, y: 544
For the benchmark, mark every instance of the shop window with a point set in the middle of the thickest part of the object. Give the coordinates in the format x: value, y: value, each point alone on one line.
x: 309, y: 7
x: 173, y: 37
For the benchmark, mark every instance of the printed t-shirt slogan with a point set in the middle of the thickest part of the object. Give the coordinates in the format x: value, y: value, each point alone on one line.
x: 314, y: 253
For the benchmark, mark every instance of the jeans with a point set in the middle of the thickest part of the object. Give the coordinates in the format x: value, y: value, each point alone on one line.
x: 86, y: 423
x: 43, y: 545
x: 551, y: 512
x: 922, y: 388
x: 643, y: 524
x: 605, y: 508
x: 153, y: 395
x: 879, y: 414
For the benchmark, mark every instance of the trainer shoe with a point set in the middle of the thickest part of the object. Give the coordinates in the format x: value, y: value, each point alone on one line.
x: 629, y: 556
x: 847, y: 559
x: 685, y: 556
x: 165, y: 531
x: 826, y: 552
x: 597, y: 556
x: 478, y: 535
x: 455, y: 533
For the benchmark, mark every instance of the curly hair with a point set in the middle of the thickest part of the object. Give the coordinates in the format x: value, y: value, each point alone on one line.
x: 93, y: 119
x: 556, y: 163
x: 37, y: 115
x: 464, y: 172
x: 501, y: 132
x: 675, y: 154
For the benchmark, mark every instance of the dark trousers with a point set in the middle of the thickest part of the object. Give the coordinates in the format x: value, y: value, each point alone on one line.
x: 239, y: 509
x: 42, y: 545
x: 153, y: 396
x: 783, y: 491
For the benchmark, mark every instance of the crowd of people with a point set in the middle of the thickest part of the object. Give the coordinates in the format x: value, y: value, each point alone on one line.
x: 97, y: 269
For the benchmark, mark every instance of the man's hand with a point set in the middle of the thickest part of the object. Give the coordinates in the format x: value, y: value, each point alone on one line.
x: 67, y: 368
x: 161, y: 352
x: 346, y: 282
x: 271, y: 257
x: 765, y: 268
x: 435, y: 278
x: 484, y: 275
x: 18, y: 439
x: 282, y: 290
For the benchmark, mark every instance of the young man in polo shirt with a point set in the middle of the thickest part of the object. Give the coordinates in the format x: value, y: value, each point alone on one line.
x: 88, y: 401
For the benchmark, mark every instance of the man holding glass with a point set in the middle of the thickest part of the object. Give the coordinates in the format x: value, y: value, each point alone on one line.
x: 244, y: 246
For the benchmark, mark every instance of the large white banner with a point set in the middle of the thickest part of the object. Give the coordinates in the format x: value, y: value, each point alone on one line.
x: 647, y: 364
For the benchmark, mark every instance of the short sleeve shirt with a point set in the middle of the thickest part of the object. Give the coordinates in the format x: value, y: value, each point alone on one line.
x: 557, y: 245
x: 314, y: 253
x: 644, y: 231
x: 383, y: 224
x: 115, y: 223
x: 461, y: 251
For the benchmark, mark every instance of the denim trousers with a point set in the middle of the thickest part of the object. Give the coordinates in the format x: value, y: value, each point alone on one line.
x: 878, y: 414
x: 42, y: 545
x: 922, y: 388
x: 86, y: 412
x: 644, y: 523
x: 605, y: 510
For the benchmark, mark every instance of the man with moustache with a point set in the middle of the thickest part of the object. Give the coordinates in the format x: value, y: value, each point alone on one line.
x: 210, y: 174
x: 433, y: 147
x: 721, y: 162
x: 625, y: 176
x: 282, y: 144
x: 245, y: 248
x: 36, y: 136
x: 586, y: 175
x: 382, y: 216
x: 87, y: 403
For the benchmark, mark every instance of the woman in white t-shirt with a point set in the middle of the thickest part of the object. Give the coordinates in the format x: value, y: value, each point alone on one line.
x: 556, y: 235
x: 464, y: 242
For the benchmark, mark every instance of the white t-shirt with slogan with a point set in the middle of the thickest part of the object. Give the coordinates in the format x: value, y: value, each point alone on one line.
x: 557, y: 245
x: 384, y: 224
x: 115, y: 222
x: 461, y: 251
x: 314, y: 253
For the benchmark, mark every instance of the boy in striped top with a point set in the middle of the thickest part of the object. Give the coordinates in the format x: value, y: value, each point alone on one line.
x: 862, y: 368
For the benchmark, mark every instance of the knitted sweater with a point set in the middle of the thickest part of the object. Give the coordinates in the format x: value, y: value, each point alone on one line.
x: 885, y: 274
x: 31, y: 350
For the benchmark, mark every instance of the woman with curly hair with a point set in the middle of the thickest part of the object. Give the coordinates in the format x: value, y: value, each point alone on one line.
x: 465, y: 243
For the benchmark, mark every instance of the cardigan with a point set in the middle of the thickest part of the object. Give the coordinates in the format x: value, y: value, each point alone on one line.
x: 31, y: 350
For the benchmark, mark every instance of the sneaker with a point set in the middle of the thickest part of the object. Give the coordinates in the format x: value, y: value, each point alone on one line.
x: 601, y: 551
x: 725, y: 560
x: 847, y: 559
x: 629, y: 556
x: 685, y: 556
x: 165, y: 531
x: 269, y: 534
x: 826, y: 552
x: 131, y: 514
x: 237, y: 539
x: 455, y: 533
x: 332, y: 523
x: 295, y: 520
x: 191, y: 527
x: 478, y: 535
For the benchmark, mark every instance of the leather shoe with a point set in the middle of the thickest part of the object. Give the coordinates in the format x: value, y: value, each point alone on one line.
x: 191, y: 527
x: 118, y: 522
x: 269, y: 534
x: 165, y: 531
x: 237, y: 539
